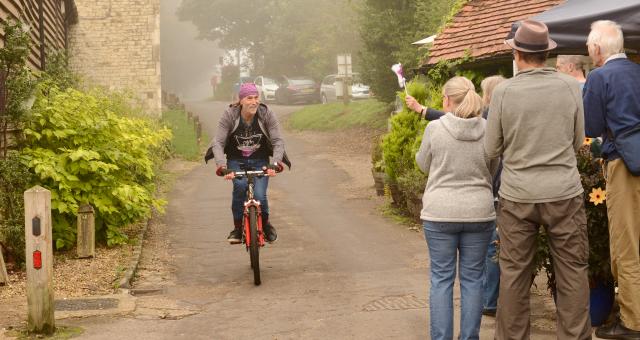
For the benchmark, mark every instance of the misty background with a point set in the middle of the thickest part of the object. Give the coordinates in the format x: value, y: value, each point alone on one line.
x: 187, y: 62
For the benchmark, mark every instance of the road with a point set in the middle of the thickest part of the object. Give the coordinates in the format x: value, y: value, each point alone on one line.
x: 338, y: 271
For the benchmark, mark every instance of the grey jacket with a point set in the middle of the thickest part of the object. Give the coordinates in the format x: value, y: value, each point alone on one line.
x: 459, y: 184
x: 229, y: 122
x: 536, y: 122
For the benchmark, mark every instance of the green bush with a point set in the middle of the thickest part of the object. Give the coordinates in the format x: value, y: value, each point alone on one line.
x: 15, y: 179
x: 403, y: 140
x: 84, y: 152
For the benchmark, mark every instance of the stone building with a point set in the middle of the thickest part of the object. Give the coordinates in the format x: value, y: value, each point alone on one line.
x: 116, y: 44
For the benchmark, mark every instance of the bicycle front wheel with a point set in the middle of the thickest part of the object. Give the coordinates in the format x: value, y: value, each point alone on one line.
x: 254, y: 246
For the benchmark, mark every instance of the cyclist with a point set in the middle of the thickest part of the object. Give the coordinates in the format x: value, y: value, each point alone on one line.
x: 248, y: 134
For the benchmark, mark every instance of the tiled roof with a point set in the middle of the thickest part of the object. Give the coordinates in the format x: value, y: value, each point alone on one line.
x: 481, y: 27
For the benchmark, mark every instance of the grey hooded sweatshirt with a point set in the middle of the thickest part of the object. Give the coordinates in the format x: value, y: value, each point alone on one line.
x: 459, y: 184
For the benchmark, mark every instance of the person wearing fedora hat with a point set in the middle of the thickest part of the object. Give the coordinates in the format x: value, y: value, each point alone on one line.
x: 536, y: 123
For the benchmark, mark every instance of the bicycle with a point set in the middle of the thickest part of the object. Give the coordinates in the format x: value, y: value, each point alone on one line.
x: 252, y: 233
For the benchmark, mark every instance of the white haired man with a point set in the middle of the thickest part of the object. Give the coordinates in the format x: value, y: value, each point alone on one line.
x: 612, y: 108
x: 571, y: 65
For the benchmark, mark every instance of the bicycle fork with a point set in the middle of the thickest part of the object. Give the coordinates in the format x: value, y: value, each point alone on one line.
x: 247, y: 222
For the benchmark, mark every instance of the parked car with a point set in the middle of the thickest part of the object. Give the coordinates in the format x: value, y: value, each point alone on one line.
x: 296, y: 90
x: 329, y: 91
x: 267, y: 88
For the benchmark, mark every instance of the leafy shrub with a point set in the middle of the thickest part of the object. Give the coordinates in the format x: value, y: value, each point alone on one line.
x: 399, y: 145
x: 14, y: 181
x: 84, y: 152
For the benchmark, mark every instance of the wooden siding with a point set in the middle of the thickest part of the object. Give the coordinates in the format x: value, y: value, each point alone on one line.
x: 57, y: 16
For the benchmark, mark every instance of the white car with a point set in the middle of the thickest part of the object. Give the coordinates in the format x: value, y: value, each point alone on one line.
x: 329, y: 89
x: 266, y: 88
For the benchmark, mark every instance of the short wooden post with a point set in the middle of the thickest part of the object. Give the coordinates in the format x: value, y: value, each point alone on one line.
x: 39, y: 244
x: 86, y: 232
x: 4, y: 278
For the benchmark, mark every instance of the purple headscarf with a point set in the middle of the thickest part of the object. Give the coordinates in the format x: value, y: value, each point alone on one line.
x: 247, y: 89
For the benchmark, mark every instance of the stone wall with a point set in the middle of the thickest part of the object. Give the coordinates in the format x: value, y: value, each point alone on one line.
x: 116, y: 44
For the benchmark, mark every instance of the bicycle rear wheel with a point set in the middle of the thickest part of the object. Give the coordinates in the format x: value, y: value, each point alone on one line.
x: 254, y: 247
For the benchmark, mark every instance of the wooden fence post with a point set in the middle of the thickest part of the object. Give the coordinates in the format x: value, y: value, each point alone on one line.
x: 86, y: 232
x: 39, y: 256
x: 4, y: 278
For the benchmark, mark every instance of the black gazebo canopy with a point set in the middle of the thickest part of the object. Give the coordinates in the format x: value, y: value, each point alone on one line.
x: 569, y: 23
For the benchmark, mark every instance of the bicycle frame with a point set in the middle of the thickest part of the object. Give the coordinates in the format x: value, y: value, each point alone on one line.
x: 252, y: 202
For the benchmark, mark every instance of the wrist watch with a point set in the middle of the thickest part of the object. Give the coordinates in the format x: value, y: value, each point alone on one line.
x: 423, y: 113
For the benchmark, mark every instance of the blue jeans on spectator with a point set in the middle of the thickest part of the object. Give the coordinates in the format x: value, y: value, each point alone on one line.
x: 240, y: 186
x: 447, y: 241
x: 491, y: 279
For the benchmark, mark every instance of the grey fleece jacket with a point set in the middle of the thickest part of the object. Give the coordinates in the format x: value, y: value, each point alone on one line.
x: 231, y: 119
x: 536, y: 122
x: 459, y: 184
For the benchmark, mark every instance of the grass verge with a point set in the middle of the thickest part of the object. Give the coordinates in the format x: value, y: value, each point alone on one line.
x: 368, y: 113
x: 184, y: 141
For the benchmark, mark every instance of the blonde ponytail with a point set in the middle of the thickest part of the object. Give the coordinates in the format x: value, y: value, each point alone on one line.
x: 462, y: 93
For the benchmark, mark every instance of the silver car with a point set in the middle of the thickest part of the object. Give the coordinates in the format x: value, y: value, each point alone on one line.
x: 330, y: 90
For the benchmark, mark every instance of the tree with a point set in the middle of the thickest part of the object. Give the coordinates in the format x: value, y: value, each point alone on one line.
x: 387, y: 28
x: 291, y: 37
x: 304, y: 42
x: 15, y: 79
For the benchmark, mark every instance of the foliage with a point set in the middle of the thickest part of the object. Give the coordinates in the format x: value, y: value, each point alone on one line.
x: 232, y: 25
x: 387, y: 29
x: 403, y: 140
x: 306, y: 42
x: 590, y: 168
x: 230, y: 76
x: 15, y: 179
x: 82, y: 151
x: 57, y: 72
x: 184, y: 141
x: 336, y: 116
x: 290, y: 37
x: 377, y: 162
x: 18, y: 81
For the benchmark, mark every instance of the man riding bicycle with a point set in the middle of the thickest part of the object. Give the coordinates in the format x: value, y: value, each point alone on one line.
x: 248, y: 134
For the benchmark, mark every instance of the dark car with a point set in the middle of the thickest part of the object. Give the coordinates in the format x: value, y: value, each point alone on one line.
x: 297, y: 90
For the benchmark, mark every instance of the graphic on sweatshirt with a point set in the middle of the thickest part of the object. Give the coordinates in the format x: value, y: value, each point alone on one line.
x: 249, y: 143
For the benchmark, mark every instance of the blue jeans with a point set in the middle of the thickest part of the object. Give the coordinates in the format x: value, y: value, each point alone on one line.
x: 447, y: 241
x: 240, y: 186
x: 491, y: 279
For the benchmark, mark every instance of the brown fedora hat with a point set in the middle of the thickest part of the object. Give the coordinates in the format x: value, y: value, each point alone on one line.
x: 531, y: 36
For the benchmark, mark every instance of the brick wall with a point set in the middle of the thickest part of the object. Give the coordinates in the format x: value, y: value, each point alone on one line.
x: 116, y: 44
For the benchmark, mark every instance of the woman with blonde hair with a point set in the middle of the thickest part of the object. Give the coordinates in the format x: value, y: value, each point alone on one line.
x: 458, y: 213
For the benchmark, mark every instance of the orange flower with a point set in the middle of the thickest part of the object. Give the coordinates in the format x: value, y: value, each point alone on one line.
x: 597, y: 196
x: 587, y: 141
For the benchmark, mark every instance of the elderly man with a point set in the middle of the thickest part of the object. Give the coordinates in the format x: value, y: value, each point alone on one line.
x: 571, y: 65
x: 612, y: 107
x: 538, y: 140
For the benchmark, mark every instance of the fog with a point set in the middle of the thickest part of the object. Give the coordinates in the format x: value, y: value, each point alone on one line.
x: 187, y: 63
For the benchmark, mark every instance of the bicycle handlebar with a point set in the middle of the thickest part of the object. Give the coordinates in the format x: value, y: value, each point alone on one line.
x: 255, y: 173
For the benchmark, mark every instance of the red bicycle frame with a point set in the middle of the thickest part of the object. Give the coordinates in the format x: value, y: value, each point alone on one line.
x: 247, y: 228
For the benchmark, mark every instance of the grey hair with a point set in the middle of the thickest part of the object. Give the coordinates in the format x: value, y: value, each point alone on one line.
x: 608, y: 35
x: 576, y: 60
